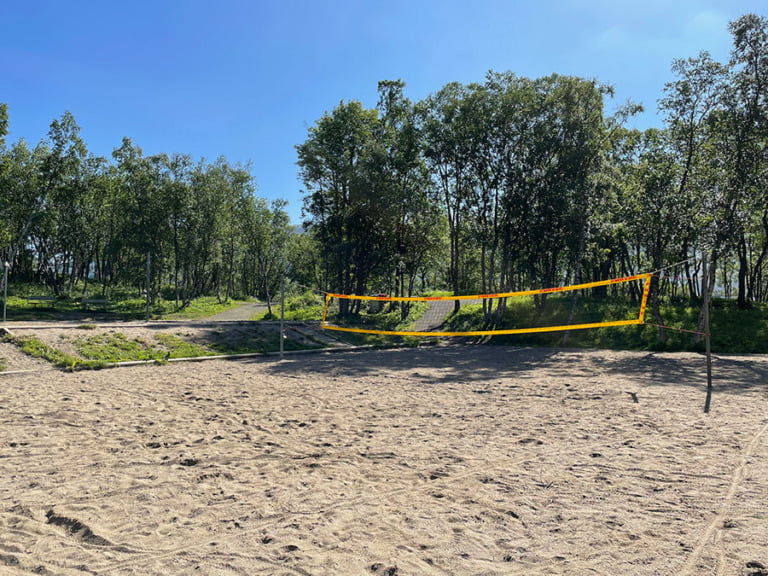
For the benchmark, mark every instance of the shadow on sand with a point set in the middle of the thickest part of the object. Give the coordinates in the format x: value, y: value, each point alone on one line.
x: 479, y: 363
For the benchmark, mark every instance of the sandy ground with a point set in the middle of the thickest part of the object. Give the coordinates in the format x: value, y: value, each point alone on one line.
x: 471, y: 460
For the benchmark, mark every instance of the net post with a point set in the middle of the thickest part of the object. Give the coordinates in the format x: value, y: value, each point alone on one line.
x: 282, y: 316
x: 707, y: 346
x: 149, y: 284
x: 6, y: 266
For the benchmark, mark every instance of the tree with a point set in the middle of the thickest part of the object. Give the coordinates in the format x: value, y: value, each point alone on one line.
x: 3, y: 124
x: 21, y: 201
x: 343, y: 210
x: 411, y: 218
x: 447, y: 155
x: 747, y: 133
x: 268, y: 235
x: 689, y: 104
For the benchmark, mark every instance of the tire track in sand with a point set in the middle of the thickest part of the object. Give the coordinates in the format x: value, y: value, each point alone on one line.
x: 717, y: 521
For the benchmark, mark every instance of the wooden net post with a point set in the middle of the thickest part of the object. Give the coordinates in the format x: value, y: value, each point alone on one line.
x: 707, y: 347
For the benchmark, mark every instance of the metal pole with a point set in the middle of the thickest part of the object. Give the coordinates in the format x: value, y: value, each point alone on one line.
x: 6, y: 265
x: 282, y: 316
x: 705, y: 292
x: 149, y: 267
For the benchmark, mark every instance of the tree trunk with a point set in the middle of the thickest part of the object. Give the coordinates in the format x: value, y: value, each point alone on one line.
x: 741, y: 299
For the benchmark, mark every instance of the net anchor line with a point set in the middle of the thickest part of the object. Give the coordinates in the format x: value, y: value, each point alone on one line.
x: 677, y: 329
x: 692, y: 258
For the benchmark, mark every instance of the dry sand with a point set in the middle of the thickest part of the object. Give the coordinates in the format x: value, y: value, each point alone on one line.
x: 462, y: 460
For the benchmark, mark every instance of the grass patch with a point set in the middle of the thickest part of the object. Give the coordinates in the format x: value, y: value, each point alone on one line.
x: 383, y: 340
x: 255, y: 343
x: 307, y: 307
x: 198, y: 308
x: 36, y: 348
x: 103, y: 350
x: 122, y: 306
x: 116, y: 347
x: 3, y: 364
x: 179, y: 348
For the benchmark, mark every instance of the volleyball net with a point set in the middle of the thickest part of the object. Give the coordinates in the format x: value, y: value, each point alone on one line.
x: 606, y: 303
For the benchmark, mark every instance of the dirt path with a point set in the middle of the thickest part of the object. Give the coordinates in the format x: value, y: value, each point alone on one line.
x: 434, y: 317
x: 240, y: 313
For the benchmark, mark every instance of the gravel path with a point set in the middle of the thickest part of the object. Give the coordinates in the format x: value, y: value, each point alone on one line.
x: 240, y: 313
x: 434, y: 317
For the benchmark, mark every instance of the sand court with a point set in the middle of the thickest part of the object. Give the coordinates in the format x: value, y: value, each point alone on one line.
x: 465, y: 460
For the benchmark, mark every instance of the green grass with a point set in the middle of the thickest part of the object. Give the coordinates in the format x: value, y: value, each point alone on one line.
x: 198, y: 308
x: 116, y: 347
x: 103, y: 350
x: 36, y: 348
x: 256, y: 344
x: 3, y: 364
x: 743, y: 331
x: 302, y: 308
x: 177, y: 347
x: 383, y: 340
x: 436, y: 293
x: 122, y: 305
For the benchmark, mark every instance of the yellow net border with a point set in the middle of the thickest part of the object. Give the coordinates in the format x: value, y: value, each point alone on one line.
x: 639, y: 320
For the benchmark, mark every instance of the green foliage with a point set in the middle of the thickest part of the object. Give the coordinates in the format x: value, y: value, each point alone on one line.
x: 308, y: 313
x: 308, y: 306
x: 739, y: 330
x: 94, y: 222
x: 3, y: 364
x: 3, y: 123
x: 38, y: 349
x: 436, y: 293
x: 307, y: 299
x: 377, y: 315
x: 369, y: 202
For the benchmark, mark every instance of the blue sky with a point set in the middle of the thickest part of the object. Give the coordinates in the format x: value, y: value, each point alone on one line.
x: 246, y: 79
